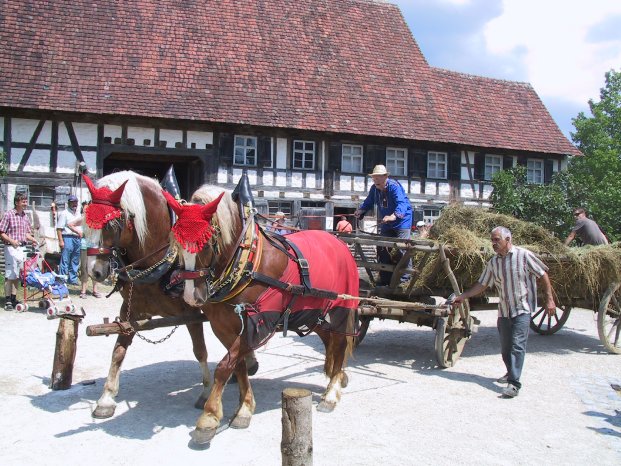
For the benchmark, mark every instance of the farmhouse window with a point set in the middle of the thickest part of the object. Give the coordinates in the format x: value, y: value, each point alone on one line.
x: 42, y: 196
x: 436, y: 164
x: 396, y: 161
x: 286, y: 207
x: 245, y: 151
x: 304, y: 155
x: 493, y: 164
x: 352, y: 158
x: 534, y: 171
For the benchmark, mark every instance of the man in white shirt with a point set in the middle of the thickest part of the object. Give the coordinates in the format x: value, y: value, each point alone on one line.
x: 69, y: 241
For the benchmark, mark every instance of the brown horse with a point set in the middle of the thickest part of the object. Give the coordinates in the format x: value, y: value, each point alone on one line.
x: 255, y: 286
x: 129, y: 219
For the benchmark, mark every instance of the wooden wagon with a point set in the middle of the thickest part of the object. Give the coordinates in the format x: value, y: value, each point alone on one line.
x: 454, y: 327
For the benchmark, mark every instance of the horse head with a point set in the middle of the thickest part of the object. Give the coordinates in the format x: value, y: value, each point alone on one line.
x: 127, y: 221
x: 203, y: 234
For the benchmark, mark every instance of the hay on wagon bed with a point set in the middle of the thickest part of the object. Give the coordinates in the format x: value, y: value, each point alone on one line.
x: 582, y: 273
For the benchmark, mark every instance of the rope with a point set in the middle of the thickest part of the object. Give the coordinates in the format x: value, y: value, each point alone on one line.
x: 239, y: 308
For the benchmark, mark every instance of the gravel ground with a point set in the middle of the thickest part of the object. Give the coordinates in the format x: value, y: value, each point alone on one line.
x: 399, y: 408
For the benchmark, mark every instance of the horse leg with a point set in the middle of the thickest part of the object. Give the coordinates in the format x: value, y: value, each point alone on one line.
x: 338, y: 347
x: 247, y: 404
x: 106, y: 404
x: 252, y: 365
x: 209, y: 420
x: 200, y: 352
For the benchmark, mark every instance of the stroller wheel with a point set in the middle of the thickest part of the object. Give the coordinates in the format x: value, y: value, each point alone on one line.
x: 21, y: 307
x: 69, y: 308
x: 52, y: 311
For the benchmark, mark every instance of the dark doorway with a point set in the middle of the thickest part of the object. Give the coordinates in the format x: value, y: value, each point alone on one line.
x: 189, y: 170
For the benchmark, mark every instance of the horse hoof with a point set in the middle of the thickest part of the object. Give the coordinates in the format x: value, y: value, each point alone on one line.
x: 344, y: 380
x: 200, y: 403
x: 102, y: 412
x: 202, y: 436
x: 240, y: 422
x: 253, y: 370
x: 326, y: 407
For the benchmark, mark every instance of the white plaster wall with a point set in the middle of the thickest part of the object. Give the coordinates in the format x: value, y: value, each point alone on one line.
x: 415, y: 187
x: 465, y: 190
x: 311, y: 181
x: 222, y: 175
x: 319, y: 197
x: 140, y: 134
x: 431, y: 189
x: 112, y: 131
x: 39, y: 160
x: 281, y: 153
x: 295, y: 195
x: 296, y: 180
x: 268, y: 178
x: 200, y: 138
x: 22, y: 130
x: 86, y: 133
x: 444, y: 189
x: 359, y: 184
x: 281, y: 179
x: 487, y: 191
x: 171, y: 136
x: 404, y: 185
x: 67, y: 163
x: 344, y: 182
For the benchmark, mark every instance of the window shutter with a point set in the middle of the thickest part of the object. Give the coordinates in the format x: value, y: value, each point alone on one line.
x: 507, y: 162
x: 335, y: 155
x: 454, y: 162
x: 225, y: 148
x: 374, y: 155
x: 479, y: 166
x: 264, y: 151
x: 418, y: 163
x: 548, y: 170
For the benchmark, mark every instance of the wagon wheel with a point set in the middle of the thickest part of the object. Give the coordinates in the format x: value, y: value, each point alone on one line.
x: 544, y: 324
x: 452, y: 332
x: 609, y: 319
x: 363, y: 325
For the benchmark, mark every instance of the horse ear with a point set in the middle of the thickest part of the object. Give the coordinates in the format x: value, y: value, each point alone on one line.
x: 208, y: 210
x: 172, y: 202
x: 89, y: 184
x: 115, y: 197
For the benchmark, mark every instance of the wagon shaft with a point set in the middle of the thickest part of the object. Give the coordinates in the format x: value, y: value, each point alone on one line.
x: 115, y: 328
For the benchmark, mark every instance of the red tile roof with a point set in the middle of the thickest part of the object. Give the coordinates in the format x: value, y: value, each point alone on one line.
x: 346, y: 66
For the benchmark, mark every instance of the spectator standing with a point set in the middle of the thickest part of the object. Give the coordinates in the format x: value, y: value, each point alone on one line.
x: 76, y: 227
x: 586, y: 229
x: 343, y: 226
x: 69, y: 241
x: 394, y: 213
x: 514, y: 272
x: 15, y: 230
x: 277, y: 224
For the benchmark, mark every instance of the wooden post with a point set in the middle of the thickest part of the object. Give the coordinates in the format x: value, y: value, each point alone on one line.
x: 64, y: 355
x: 297, y: 427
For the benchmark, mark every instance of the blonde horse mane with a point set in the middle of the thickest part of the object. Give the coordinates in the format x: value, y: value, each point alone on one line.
x: 227, y: 214
x: 132, y: 200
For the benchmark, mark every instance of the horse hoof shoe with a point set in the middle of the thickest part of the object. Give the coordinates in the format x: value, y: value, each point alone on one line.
x: 253, y: 370
x: 240, y: 422
x: 344, y: 380
x: 102, y: 413
x: 202, y: 437
x: 326, y: 407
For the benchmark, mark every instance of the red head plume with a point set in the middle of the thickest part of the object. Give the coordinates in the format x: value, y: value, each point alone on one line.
x: 106, y: 204
x: 193, y: 226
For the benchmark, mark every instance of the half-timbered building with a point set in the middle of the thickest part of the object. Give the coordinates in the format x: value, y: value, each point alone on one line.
x: 306, y: 96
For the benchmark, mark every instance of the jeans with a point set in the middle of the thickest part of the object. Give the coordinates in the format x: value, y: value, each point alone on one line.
x: 513, y: 338
x: 70, y: 258
x: 384, y: 253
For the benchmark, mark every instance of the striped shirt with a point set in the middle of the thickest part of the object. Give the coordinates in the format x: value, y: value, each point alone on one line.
x: 515, y: 278
x: 15, y: 225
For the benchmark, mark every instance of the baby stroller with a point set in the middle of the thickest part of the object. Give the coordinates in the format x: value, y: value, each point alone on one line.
x: 50, y: 288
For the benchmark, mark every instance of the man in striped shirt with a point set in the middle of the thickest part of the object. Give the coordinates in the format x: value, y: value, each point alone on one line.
x: 514, y: 272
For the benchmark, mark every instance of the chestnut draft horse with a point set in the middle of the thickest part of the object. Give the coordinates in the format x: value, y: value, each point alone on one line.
x: 130, y: 221
x: 256, y: 286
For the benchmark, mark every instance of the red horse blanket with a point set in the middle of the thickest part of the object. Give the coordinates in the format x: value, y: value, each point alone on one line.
x: 331, y: 267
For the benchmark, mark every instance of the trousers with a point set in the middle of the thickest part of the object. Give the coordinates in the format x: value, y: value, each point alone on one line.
x: 513, y: 333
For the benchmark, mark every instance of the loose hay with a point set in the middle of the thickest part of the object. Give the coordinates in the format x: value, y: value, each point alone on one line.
x: 581, y: 273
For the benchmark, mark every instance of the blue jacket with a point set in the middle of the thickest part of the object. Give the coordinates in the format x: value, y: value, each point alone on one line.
x: 391, y: 201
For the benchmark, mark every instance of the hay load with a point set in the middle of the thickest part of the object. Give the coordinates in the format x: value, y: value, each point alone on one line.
x: 582, y: 273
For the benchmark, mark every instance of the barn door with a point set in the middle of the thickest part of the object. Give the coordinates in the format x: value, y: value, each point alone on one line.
x: 312, y: 218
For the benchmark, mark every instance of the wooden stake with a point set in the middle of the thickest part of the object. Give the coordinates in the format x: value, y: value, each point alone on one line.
x: 297, y: 427
x: 64, y: 356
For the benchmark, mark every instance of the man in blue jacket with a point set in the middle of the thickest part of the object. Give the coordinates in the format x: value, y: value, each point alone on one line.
x: 394, y: 212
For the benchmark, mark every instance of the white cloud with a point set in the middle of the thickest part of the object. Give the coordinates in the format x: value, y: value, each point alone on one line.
x: 551, y: 38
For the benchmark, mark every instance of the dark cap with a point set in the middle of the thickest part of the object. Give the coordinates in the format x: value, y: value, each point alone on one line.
x: 72, y: 198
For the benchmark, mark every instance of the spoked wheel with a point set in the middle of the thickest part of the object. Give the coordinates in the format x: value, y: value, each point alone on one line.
x: 609, y: 319
x: 452, y: 332
x: 363, y: 323
x: 544, y: 324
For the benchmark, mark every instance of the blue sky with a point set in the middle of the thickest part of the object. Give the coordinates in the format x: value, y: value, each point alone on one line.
x: 562, y: 48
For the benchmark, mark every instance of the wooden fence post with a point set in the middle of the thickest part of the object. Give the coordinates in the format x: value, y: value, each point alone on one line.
x: 297, y: 427
x: 64, y: 355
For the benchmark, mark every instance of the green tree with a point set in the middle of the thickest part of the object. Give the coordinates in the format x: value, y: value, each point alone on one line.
x: 592, y: 181
x: 3, y: 163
